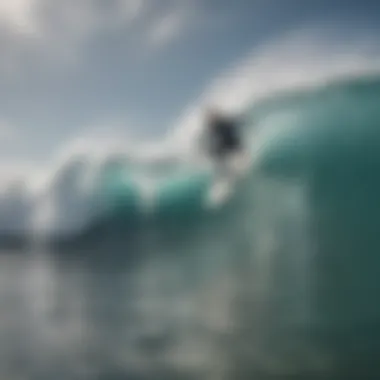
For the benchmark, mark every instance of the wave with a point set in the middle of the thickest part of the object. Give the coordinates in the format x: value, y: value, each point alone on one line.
x: 291, y: 130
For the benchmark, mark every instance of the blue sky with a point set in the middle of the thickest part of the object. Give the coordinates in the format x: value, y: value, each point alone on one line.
x: 73, y: 66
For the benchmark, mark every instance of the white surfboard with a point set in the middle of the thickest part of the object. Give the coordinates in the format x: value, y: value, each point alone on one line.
x: 220, y: 192
x: 224, y: 186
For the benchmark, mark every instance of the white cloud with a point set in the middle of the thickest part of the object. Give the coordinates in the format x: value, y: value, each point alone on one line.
x: 35, y: 14
x: 167, y: 28
x: 46, y: 31
x: 19, y: 15
x: 55, y: 33
x: 131, y: 9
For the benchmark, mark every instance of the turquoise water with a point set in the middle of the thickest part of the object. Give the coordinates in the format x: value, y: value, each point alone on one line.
x: 282, y: 282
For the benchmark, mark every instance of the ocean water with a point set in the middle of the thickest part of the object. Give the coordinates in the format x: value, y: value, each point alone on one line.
x: 281, y: 282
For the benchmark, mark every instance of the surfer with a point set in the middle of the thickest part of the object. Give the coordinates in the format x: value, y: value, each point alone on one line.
x: 224, y: 144
x: 224, y: 139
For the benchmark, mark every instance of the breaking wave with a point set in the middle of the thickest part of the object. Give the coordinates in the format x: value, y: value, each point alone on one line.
x: 295, y: 115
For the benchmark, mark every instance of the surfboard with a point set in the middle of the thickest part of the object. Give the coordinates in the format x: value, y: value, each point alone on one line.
x: 224, y: 185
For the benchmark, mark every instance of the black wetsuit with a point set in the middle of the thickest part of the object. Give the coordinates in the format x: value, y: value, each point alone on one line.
x: 225, y: 137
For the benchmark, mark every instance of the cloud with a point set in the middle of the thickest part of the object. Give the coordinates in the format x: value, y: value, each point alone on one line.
x: 19, y: 15
x: 36, y: 35
x: 131, y: 9
x: 35, y: 32
x: 167, y: 28
x: 69, y: 14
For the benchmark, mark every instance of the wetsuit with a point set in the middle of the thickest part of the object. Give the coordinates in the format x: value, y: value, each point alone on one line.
x: 225, y: 137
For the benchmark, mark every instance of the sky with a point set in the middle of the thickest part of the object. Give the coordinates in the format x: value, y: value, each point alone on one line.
x: 80, y: 67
